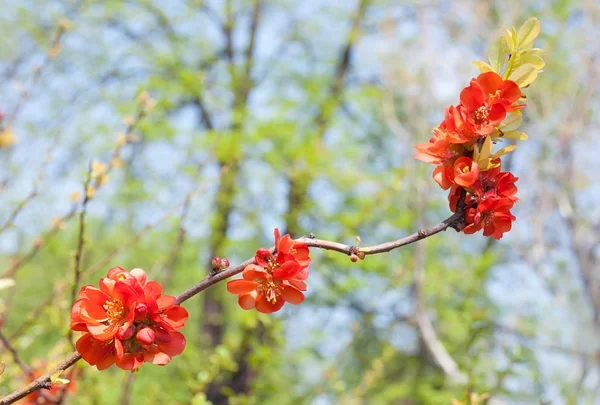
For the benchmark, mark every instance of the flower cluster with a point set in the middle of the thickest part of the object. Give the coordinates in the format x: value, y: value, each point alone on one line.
x: 276, y: 277
x: 489, y: 111
x: 127, y: 321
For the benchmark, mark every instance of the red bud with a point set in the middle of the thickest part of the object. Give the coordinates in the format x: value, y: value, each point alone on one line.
x: 263, y: 252
x: 140, y: 312
x: 124, y: 334
x: 145, y: 336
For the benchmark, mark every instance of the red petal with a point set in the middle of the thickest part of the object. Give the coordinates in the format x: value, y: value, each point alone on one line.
x: 291, y: 295
x: 175, y: 317
x: 247, y: 301
x: 472, y: 97
x: 497, y: 114
x: 254, y: 272
x: 175, y: 346
x: 266, y: 307
x: 153, y: 288
x: 165, y: 301
x: 287, y: 270
x: 277, y: 237
x: 510, y: 91
x: 490, y: 82
x: 241, y: 286
x: 300, y: 285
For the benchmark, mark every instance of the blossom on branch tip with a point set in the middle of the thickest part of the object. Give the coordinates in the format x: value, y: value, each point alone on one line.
x: 127, y: 322
x: 462, y: 144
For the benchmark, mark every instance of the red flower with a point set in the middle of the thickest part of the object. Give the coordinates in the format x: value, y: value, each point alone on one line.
x: 104, y: 311
x: 492, y: 215
x: 288, y: 246
x: 259, y: 289
x: 99, y: 353
x: 276, y: 278
x: 162, y: 309
x: 487, y: 100
x: 443, y: 176
x: 493, y: 183
x: 465, y: 172
x: 128, y: 321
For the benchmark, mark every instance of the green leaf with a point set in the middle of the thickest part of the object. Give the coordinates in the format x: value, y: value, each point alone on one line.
x: 527, y: 58
x: 483, y: 67
x: 512, y: 122
x: 528, y: 32
x: 521, y: 136
x: 496, y: 54
x: 524, y: 75
x: 510, y: 40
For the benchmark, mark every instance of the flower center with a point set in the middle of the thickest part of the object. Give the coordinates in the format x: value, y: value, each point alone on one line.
x: 465, y: 169
x: 270, y: 291
x: 481, y: 114
x: 114, y: 309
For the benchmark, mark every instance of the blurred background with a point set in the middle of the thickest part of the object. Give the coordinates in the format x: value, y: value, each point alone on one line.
x: 302, y: 116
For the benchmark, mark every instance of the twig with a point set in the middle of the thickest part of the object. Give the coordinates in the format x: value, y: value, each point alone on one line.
x: 174, y: 253
x: 50, y: 55
x: 43, y: 382
x: 127, y: 387
x: 39, y: 243
x: 212, y: 278
x: 80, y: 241
x: 26, y: 369
x: 34, y: 192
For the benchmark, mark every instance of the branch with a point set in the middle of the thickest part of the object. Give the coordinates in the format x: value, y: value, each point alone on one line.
x: 26, y: 369
x: 454, y: 221
x: 44, y: 381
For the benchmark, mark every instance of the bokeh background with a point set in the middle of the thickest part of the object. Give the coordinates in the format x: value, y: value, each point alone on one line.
x: 302, y: 116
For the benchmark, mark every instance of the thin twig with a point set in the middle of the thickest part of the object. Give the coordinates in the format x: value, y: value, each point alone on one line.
x: 34, y: 191
x: 127, y: 387
x: 43, y: 382
x: 39, y: 243
x: 455, y: 221
x: 171, y: 261
x: 80, y: 241
x: 26, y: 369
x: 214, y: 278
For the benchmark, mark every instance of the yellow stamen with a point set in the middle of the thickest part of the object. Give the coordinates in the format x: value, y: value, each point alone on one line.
x: 114, y: 309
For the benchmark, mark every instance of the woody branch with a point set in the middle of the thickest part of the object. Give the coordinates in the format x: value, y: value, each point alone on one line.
x: 455, y: 221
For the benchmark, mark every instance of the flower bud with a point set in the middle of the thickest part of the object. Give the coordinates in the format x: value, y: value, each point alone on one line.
x: 145, y: 336
x: 224, y: 264
x: 263, y: 252
x: 124, y: 334
x: 141, y: 310
x: 353, y: 258
x: 216, y: 263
